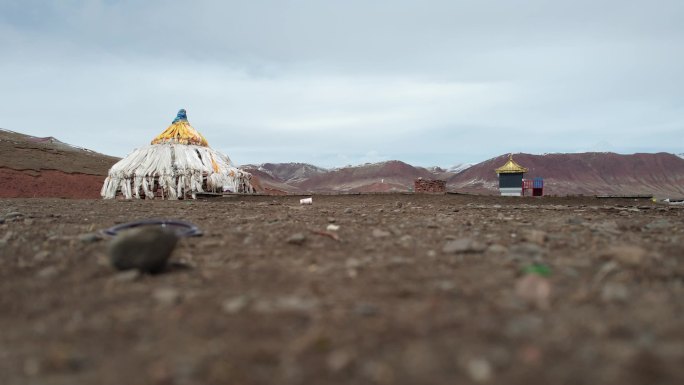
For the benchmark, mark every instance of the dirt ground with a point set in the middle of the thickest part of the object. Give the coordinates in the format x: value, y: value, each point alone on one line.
x: 443, y: 289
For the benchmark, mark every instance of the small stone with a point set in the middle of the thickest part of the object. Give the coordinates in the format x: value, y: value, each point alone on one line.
x: 89, y: 238
x: 398, y: 204
x: 352, y: 263
x: 28, y: 222
x: 497, y: 249
x: 338, y: 360
x: 48, y: 272
x: 406, y: 241
x: 127, y: 276
x: 523, y: 326
x: 534, y: 290
x: 614, y: 292
x: 575, y: 221
x: 479, y: 369
x: 463, y: 245
x: 13, y: 214
x: 660, y: 224
x: 378, y: 233
x: 331, y: 219
x: 526, y: 252
x: 41, y: 255
x: 348, y: 210
x: 297, y: 239
x: 146, y: 249
x: 286, y: 304
x: 366, y: 309
x: 332, y: 227
x: 625, y: 255
x: 167, y: 296
x: 535, y: 236
x: 31, y: 367
x: 235, y: 305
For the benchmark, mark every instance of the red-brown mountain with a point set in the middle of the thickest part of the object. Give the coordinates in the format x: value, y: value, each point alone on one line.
x: 45, y: 167
x: 371, y: 177
x: 592, y: 173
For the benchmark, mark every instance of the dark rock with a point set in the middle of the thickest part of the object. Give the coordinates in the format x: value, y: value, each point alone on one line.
x: 146, y: 249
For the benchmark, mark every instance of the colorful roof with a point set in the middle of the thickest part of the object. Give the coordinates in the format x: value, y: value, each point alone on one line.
x: 511, y: 167
x: 180, y: 131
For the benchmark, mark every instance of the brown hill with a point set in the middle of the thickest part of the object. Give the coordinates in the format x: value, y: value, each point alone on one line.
x: 593, y: 173
x: 45, y: 167
x: 387, y: 176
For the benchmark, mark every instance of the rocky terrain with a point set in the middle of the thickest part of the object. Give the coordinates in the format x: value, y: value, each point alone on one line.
x: 369, y: 289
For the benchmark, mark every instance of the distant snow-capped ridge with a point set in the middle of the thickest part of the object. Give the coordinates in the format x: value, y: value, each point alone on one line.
x: 680, y: 155
x: 459, y: 167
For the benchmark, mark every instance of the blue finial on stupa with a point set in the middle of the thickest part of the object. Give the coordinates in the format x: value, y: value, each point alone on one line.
x: 181, y: 116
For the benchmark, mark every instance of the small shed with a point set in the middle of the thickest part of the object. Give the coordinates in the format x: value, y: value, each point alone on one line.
x: 511, y: 178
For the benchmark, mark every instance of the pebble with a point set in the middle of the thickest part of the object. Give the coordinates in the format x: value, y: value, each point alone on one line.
x: 89, y: 237
x: 146, y: 249
x: 463, y: 245
x: 575, y: 221
x: 534, y: 290
x: 338, y: 360
x: 297, y: 239
x: 13, y: 214
x: 625, y: 255
x: 235, y: 305
x: 48, y: 272
x: 660, y: 224
x: 285, y: 304
x: 41, y: 255
x: 406, y: 241
x: 378, y: 233
x: 535, y: 236
x: 348, y: 210
x: 126, y: 276
x: 366, y: 309
x: 479, y: 370
x: 614, y: 292
x: 523, y: 326
x: 526, y: 251
x: 497, y: 249
x: 167, y: 296
x: 332, y: 227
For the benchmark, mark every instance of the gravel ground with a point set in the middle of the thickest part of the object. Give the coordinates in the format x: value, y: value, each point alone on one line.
x: 410, y: 289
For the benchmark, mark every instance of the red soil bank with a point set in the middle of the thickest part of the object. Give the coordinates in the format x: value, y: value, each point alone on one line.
x: 48, y: 184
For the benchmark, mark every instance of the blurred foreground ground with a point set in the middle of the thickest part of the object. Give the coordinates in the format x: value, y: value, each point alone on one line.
x: 418, y: 289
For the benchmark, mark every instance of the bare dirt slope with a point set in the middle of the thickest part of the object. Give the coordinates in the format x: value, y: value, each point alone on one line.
x: 419, y: 289
x: 45, y: 167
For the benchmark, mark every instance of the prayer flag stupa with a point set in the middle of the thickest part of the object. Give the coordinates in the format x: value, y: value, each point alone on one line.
x: 177, y: 164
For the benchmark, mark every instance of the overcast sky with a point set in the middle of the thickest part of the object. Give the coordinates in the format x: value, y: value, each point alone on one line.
x: 431, y: 82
